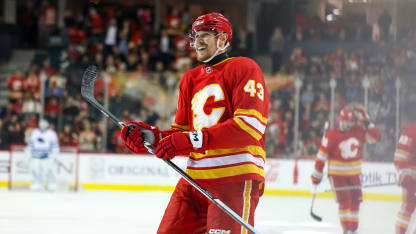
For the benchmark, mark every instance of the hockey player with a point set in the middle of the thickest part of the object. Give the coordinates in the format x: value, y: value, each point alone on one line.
x: 405, y: 162
x: 220, y: 125
x: 43, y: 147
x: 342, y: 148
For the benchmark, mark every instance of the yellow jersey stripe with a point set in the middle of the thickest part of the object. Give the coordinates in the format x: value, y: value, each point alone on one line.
x: 252, y: 149
x: 246, y: 207
x: 247, y: 128
x: 223, y: 61
x: 323, y: 153
x: 335, y: 172
x: 349, y: 219
x: 371, y: 139
x: 252, y: 112
x: 341, y: 163
x: 225, y: 171
x: 181, y: 127
x: 402, y: 151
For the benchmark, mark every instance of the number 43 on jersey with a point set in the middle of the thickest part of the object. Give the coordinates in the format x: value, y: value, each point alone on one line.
x: 254, y: 89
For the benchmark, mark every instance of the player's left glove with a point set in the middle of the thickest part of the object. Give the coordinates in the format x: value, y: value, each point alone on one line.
x: 316, y: 177
x: 181, y: 143
x: 362, y: 115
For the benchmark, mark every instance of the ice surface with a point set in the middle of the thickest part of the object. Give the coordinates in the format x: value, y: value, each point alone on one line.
x: 105, y: 212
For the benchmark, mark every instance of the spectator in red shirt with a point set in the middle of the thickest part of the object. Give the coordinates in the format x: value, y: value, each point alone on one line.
x: 47, y: 68
x: 97, y: 23
x: 174, y: 22
x: 322, y: 103
x: 32, y: 85
x: 15, y: 86
x: 49, y: 14
x: 52, y: 110
x: 338, y: 60
x: 68, y: 136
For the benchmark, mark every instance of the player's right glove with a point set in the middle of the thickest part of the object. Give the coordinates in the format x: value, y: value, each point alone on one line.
x: 134, y: 134
x: 316, y: 177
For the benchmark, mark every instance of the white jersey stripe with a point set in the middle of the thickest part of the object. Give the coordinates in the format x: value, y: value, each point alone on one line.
x: 321, y: 157
x: 255, y: 123
x: 344, y: 168
x: 226, y: 160
x: 400, y: 155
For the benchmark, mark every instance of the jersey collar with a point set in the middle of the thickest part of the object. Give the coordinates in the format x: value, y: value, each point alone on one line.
x: 217, y: 59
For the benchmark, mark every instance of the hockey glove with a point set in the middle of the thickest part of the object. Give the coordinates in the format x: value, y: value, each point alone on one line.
x: 362, y: 115
x: 134, y: 134
x: 181, y: 143
x: 316, y: 177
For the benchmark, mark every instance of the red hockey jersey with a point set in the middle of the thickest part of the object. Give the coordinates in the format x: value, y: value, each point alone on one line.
x: 231, y: 101
x: 343, y: 150
x: 405, y: 155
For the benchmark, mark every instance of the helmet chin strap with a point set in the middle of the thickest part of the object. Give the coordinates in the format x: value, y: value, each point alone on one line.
x: 217, y: 51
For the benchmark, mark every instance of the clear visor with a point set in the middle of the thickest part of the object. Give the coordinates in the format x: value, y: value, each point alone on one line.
x: 200, y: 35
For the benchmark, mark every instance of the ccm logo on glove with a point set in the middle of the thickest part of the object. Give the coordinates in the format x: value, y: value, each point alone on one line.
x: 196, y: 139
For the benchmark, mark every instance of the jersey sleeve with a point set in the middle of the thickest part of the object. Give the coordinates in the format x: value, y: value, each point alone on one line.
x: 250, y: 104
x: 404, y: 150
x: 322, y: 155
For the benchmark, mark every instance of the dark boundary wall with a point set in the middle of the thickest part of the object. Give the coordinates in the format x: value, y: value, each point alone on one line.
x: 10, y: 38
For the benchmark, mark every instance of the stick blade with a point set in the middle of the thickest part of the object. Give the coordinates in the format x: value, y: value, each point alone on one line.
x: 88, y: 80
x: 316, y: 217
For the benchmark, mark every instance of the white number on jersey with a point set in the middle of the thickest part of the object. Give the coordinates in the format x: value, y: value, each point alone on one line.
x: 200, y: 118
x: 250, y: 88
x: 349, y: 148
x: 405, y: 140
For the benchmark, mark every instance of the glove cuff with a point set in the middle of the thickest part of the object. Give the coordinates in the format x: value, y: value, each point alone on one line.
x: 198, y: 139
x: 317, y: 174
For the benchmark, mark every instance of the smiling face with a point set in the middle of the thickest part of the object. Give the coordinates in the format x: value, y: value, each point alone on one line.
x: 205, y: 44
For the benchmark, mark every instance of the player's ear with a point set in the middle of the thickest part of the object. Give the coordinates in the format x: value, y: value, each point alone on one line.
x: 223, y: 38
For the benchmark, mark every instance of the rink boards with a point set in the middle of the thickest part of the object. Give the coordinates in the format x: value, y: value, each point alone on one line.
x: 284, y: 177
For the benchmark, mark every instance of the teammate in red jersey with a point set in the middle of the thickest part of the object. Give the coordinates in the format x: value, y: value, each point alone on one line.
x: 220, y: 125
x: 405, y: 162
x: 342, y: 148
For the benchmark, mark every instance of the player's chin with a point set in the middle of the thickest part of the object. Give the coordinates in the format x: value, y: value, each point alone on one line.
x: 201, y: 56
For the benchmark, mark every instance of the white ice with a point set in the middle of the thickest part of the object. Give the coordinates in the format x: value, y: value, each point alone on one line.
x: 105, y: 212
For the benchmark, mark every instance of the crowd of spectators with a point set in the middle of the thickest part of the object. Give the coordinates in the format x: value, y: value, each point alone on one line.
x: 349, y: 68
x: 141, y: 68
x: 137, y: 64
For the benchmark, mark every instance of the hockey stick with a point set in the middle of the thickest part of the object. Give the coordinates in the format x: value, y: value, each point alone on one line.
x: 353, y: 187
x: 87, y: 92
x: 314, y: 216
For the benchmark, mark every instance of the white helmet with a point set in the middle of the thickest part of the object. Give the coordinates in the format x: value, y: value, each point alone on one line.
x: 43, y: 124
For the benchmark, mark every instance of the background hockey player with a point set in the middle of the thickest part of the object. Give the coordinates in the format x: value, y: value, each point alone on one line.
x: 405, y: 162
x: 43, y: 147
x: 220, y: 124
x: 342, y: 148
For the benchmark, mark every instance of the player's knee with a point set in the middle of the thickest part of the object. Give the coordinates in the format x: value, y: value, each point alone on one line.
x: 344, y: 204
